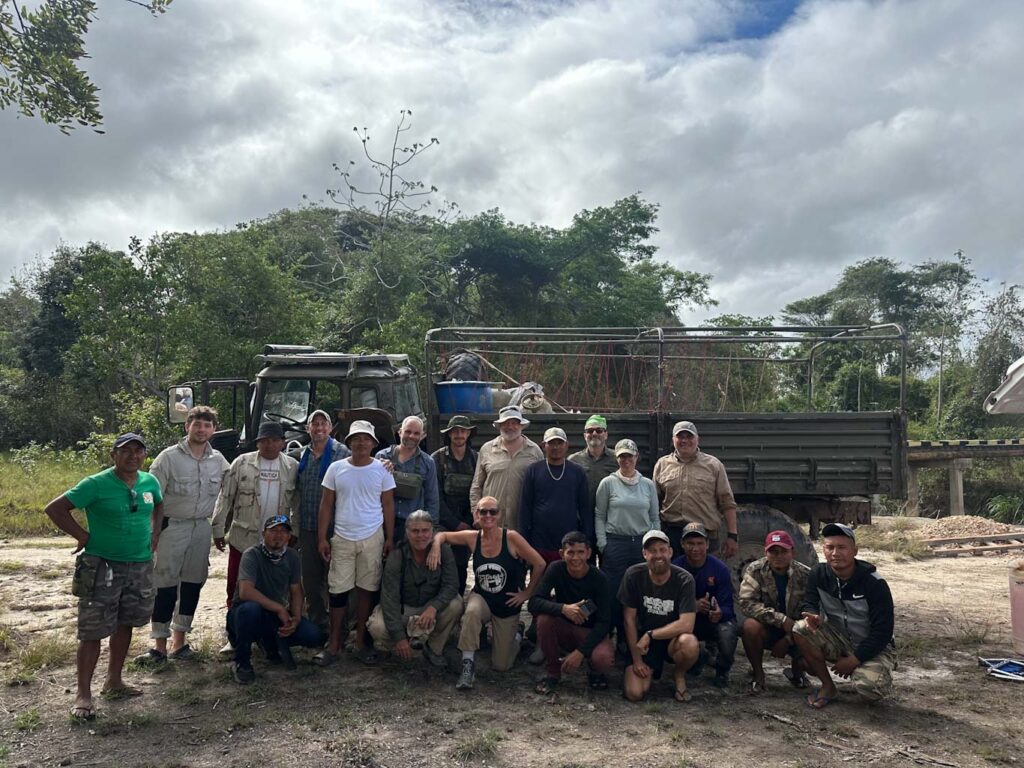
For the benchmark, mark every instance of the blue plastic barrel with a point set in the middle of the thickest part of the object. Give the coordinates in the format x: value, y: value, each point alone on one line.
x: 464, y: 396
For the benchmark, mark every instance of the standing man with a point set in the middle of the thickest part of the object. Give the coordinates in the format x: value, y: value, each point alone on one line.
x: 848, y: 620
x: 573, y: 611
x: 114, y: 574
x: 771, y: 595
x: 257, y: 487
x: 715, y: 624
x: 502, y: 463
x: 190, y: 475
x: 555, y: 499
x: 355, y: 533
x: 596, y: 460
x: 268, y: 606
x: 455, y: 464
x: 693, y: 488
x: 659, y: 607
x: 322, y: 451
x: 415, y: 475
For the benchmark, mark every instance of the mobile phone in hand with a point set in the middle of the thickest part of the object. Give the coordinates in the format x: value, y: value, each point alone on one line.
x: 587, y: 608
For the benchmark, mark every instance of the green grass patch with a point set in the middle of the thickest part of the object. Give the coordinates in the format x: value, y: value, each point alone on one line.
x: 33, y: 477
x: 54, y: 649
x: 28, y: 720
x: 478, y: 747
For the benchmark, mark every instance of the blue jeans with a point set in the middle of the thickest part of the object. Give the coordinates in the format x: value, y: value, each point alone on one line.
x: 721, y: 635
x: 249, y: 621
x: 619, y: 553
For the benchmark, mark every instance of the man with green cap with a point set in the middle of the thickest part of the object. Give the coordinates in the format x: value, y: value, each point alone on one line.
x: 456, y: 464
x: 596, y: 460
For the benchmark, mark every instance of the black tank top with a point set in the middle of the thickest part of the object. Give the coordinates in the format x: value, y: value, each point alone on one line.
x: 497, y: 575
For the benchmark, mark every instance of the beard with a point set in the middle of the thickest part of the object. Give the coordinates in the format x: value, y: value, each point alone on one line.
x: 511, y: 437
x: 658, y: 567
x: 596, y: 444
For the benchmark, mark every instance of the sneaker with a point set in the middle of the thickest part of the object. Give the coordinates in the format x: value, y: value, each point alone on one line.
x: 468, y: 675
x: 284, y: 653
x: 435, y: 659
x: 244, y: 675
x: 537, y: 657
x: 227, y: 652
x: 185, y: 653
x: 151, y: 658
x: 721, y: 680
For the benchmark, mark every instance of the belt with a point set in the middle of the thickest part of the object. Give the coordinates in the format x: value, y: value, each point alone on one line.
x: 621, y: 537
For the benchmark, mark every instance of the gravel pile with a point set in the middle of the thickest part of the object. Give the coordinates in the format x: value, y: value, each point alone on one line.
x: 962, y: 525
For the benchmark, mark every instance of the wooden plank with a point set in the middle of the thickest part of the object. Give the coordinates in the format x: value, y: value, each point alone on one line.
x: 1009, y: 536
x: 976, y: 550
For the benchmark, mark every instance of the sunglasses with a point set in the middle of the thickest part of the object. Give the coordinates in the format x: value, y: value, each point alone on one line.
x: 488, y: 511
x: 594, y: 431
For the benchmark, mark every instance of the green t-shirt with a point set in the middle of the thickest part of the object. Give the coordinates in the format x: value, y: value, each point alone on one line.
x: 116, y: 530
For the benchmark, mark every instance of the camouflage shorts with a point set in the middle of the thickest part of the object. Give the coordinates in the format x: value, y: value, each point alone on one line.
x: 872, y: 680
x: 110, y: 594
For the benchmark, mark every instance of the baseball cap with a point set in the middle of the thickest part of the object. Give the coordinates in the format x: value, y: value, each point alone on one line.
x: 655, y: 535
x: 693, y: 529
x: 319, y: 412
x: 626, y: 446
x: 510, y: 412
x: 555, y: 433
x: 684, y: 426
x: 360, y: 427
x: 276, y: 520
x: 838, y: 529
x: 778, y: 539
x: 129, y: 437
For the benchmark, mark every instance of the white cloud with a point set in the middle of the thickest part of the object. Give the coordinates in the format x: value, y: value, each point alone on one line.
x: 857, y: 129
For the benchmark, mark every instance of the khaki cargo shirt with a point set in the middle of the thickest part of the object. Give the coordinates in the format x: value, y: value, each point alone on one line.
x: 693, y: 491
x: 190, y: 485
x: 759, y: 599
x: 238, y: 505
x: 500, y: 475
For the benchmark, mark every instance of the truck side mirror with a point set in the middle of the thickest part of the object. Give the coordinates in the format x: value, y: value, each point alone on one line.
x: 179, y: 401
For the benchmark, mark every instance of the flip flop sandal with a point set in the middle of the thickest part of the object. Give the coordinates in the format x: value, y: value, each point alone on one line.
x: 682, y: 696
x: 796, y: 680
x: 82, y: 713
x: 546, y: 685
x: 325, y: 658
x: 817, y: 701
x: 124, y: 692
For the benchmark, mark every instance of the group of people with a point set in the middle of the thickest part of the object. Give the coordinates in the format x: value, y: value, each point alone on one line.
x: 612, y: 566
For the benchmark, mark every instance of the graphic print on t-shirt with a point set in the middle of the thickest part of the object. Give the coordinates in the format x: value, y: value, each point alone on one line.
x: 270, y: 488
x: 491, y: 577
x: 658, y: 607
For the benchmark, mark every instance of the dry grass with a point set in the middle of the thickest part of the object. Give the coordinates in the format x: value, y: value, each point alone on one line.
x: 478, y: 747
x: 897, y: 539
x: 52, y: 650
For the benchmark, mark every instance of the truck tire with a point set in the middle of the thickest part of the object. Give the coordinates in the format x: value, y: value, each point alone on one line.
x: 464, y: 366
x: 755, y: 522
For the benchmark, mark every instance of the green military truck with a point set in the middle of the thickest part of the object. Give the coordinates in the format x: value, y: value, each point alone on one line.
x: 293, y: 381
x: 803, y: 466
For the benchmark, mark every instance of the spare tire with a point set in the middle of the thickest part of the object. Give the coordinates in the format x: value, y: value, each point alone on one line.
x: 755, y: 522
x: 464, y: 365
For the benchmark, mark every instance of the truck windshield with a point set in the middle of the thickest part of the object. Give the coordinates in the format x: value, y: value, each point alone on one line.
x: 288, y: 398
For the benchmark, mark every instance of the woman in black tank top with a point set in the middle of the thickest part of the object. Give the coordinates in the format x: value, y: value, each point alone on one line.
x: 497, y: 576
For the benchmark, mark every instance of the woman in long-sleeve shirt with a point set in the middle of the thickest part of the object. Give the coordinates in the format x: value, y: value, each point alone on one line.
x: 627, y: 508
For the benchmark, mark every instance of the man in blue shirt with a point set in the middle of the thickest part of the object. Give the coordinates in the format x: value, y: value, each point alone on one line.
x: 715, y: 625
x: 415, y: 475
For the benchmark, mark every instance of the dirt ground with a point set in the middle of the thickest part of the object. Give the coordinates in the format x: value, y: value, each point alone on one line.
x: 946, y: 712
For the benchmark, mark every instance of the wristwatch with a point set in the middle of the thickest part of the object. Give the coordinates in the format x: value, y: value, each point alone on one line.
x: 733, y: 536
x: 650, y: 635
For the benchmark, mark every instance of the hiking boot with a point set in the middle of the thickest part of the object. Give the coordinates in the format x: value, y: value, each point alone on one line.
x: 244, y: 675
x: 435, y: 659
x: 467, y: 676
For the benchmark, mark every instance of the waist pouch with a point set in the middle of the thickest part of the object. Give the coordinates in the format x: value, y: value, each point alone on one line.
x: 457, y: 485
x: 408, y: 485
x: 83, y: 583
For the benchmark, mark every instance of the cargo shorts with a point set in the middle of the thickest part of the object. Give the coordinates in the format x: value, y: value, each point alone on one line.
x: 111, y: 594
x: 872, y: 680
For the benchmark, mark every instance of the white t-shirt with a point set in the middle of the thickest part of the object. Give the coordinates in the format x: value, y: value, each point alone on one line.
x: 270, y: 488
x: 357, y: 510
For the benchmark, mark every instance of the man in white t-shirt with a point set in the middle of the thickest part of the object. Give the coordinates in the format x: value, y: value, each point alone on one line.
x: 356, y: 532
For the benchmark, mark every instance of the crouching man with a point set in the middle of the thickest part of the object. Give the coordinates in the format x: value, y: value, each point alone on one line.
x: 267, y: 605
x: 848, y: 621
x: 418, y: 606
x: 574, y: 617
x: 659, y: 608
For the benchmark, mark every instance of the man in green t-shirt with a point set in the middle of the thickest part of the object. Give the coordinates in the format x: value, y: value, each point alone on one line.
x: 114, y: 574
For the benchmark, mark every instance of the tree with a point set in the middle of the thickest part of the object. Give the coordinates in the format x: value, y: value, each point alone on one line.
x: 39, y: 53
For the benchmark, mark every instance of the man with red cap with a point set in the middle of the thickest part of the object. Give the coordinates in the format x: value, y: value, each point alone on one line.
x: 771, y: 594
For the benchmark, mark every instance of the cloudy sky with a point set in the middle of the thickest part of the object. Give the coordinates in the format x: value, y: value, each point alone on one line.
x: 783, y: 140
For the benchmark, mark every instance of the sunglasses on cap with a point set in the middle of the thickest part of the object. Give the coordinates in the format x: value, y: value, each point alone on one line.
x: 488, y: 511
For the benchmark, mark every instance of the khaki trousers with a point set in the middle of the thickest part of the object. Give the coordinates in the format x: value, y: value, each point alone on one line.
x: 436, y: 638
x: 504, y: 645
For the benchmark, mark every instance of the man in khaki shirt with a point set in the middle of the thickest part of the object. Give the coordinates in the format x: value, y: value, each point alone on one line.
x: 693, y: 488
x: 502, y: 463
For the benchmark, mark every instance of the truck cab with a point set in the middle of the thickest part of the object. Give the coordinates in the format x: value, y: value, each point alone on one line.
x: 294, y: 381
